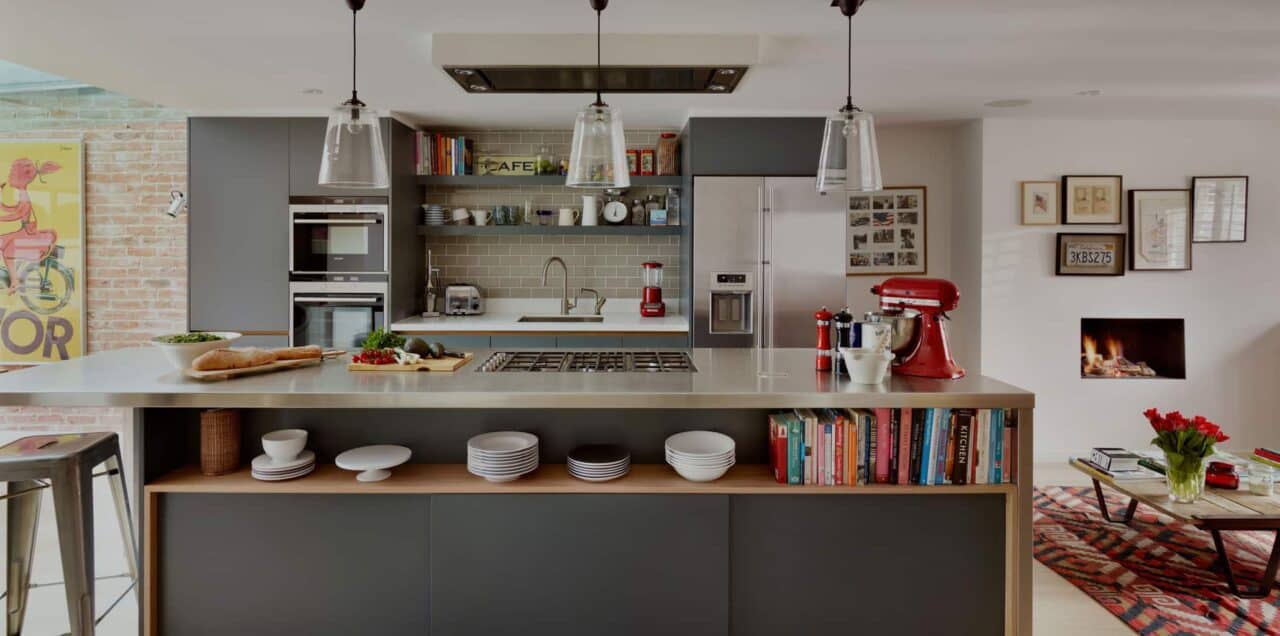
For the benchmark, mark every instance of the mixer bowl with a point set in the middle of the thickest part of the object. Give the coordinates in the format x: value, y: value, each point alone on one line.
x: 905, y: 325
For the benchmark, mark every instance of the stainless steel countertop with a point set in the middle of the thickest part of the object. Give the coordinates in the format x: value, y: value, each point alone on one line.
x: 726, y: 379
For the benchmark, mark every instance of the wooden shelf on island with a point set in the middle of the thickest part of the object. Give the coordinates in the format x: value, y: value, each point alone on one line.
x: 561, y: 230
x: 532, y: 180
x: 744, y: 479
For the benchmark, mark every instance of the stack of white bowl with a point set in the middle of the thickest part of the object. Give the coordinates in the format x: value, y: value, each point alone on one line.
x: 433, y: 214
x: 599, y: 462
x: 286, y: 456
x: 700, y: 455
x: 502, y: 456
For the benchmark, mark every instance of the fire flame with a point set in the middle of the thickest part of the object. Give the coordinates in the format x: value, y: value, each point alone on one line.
x: 1113, y: 363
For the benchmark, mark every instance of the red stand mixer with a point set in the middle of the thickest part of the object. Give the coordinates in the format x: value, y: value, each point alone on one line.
x: 928, y: 355
x: 651, y: 305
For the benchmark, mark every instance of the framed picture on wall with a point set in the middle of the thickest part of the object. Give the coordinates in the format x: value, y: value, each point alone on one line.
x: 1090, y: 254
x: 1221, y: 209
x: 886, y: 232
x: 1091, y: 199
x: 1159, y: 230
x: 1040, y: 203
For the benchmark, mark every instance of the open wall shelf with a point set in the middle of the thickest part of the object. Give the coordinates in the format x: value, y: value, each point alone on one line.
x: 539, y: 180
x: 573, y: 230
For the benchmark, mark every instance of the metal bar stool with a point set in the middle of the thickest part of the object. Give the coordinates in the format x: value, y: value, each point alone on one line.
x: 63, y: 463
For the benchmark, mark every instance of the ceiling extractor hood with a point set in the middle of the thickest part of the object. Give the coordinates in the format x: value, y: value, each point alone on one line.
x: 549, y: 63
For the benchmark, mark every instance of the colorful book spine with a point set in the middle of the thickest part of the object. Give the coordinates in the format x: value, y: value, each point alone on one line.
x: 1268, y: 453
x: 997, y: 443
x: 795, y: 450
x: 778, y: 448
x: 1011, y: 422
x: 943, y: 444
x: 904, y: 447
x: 964, y: 429
x: 880, y: 443
x: 838, y: 428
x: 925, y: 470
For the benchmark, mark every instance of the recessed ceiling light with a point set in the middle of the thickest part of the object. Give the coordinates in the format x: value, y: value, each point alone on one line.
x: 1093, y: 92
x: 312, y: 91
x: 717, y: 88
x: 479, y: 87
x: 728, y: 71
x: 1008, y: 103
x: 463, y: 72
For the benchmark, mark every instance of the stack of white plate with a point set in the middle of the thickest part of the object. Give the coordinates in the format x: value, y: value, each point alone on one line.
x: 268, y: 469
x: 432, y: 214
x: 502, y: 456
x: 700, y: 455
x: 599, y: 462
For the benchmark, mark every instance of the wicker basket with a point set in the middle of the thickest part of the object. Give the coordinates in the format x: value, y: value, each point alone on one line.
x: 219, y: 441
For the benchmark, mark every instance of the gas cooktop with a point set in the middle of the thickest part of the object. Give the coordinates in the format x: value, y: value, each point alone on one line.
x: 588, y: 362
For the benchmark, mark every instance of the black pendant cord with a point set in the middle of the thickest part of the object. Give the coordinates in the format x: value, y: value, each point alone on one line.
x: 848, y: 93
x: 354, y: 99
x: 599, y: 99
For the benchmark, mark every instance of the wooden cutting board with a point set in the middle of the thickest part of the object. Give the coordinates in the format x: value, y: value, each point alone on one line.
x: 282, y: 365
x: 440, y: 365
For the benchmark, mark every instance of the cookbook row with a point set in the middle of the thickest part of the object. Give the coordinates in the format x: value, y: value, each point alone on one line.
x: 929, y: 446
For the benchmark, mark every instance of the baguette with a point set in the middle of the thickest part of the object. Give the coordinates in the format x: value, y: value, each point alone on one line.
x: 227, y: 359
x: 309, y: 352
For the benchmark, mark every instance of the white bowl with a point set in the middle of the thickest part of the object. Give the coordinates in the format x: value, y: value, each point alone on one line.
x: 867, y: 366
x: 694, y: 464
x: 285, y: 444
x: 700, y: 474
x: 700, y: 443
x: 501, y: 443
x: 180, y: 354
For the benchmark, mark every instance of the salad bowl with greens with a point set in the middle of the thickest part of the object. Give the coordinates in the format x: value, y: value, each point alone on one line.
x: 182, y: 348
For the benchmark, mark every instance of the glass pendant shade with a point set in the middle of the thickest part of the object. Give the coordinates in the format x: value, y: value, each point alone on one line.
x: 353, y: 151
x: 850, y: 160
x: 598, y: 157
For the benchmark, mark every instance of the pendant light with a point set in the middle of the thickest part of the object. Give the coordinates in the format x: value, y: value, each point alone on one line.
x: 850, y: 160
x: 353, y: 151
x: 598, y: 157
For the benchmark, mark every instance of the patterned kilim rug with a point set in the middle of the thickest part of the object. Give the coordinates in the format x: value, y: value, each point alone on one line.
x: 1155, y: 574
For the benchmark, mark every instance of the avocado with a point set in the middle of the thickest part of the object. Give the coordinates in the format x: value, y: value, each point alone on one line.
x: 437, y: 350
x: 418, y: 346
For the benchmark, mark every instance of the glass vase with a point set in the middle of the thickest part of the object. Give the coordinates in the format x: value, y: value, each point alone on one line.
x: 1185, y: 476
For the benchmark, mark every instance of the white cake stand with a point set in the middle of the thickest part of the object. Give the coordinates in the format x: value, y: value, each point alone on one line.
x: 373, y: 461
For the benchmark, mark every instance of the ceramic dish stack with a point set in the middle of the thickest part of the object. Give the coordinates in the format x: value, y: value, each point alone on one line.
x: 502, y: 456
x: 599, y: 462
x: 267, y: 469
x: 433, y: 214
x: 700, y: 455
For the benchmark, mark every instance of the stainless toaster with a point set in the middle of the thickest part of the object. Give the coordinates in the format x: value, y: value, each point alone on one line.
x: 463, y: 300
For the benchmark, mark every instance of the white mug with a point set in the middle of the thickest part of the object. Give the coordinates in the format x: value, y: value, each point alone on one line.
x: 481, y: 217
x: 590, y: 209
x: 569, y: 216
x: 460, y: 216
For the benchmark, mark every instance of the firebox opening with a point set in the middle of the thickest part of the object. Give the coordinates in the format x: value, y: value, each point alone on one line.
x: 1127, y: 348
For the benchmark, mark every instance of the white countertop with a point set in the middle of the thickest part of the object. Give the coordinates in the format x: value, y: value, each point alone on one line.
x: 621, y: 315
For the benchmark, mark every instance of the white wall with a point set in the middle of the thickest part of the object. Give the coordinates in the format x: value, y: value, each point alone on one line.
x: 1231, y: 300
x: 918, y: 155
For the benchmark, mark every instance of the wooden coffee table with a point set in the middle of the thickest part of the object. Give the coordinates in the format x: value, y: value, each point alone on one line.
x: 1217, y: 511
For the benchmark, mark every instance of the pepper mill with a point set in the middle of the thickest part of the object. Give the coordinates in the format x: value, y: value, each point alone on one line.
x: 823, y: 359
x: 844, y: 337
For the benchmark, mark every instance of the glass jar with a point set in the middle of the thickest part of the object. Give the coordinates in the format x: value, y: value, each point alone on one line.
x: 1261, y: 479
x: 1185, y: 477
x: 546, y: 162
x: 638, y: 213
x: 673, y: 206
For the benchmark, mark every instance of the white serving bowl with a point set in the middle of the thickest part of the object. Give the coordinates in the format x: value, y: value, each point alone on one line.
x: 285, y: 444
x: 866, y: 366
x: 700, y: 464
x: 700, y: 444
x: 180, y: 354
x: 700, y: 474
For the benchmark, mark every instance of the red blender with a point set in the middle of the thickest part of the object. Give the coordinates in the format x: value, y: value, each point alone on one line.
x: 651, y: 305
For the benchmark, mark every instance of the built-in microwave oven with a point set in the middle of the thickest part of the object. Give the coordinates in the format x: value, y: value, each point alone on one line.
x: 336, y: 315
x: 337, y: 235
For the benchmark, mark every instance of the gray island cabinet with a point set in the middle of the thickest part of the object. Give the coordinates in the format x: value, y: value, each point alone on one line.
x: 435, y: 550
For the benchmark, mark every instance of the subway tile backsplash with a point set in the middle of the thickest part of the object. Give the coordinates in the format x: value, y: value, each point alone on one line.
x: 511, y: 266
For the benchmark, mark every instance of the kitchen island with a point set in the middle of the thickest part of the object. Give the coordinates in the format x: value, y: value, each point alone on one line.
x: 443, y: 552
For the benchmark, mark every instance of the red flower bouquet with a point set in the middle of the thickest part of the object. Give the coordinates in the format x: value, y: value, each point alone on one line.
x: 1186, y: 444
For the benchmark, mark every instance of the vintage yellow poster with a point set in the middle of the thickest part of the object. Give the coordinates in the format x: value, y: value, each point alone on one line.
x: 42, y: 247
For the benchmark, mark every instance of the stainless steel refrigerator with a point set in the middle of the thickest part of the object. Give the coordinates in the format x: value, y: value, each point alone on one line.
x: 762, y: 242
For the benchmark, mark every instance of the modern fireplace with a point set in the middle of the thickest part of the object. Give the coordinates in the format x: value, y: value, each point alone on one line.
x: 1119, y: 348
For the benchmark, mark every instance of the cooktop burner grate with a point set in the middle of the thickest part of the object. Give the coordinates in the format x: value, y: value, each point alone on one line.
x: 588, y: 362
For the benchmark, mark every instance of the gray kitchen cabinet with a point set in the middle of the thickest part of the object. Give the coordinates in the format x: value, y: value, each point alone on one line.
x: 306, y: 144
x: 832, y: 565
x: 674, y: 341
x: 281, y: 340
x: 522, y: 342
x: 579, y: 565
x: 238, y: 224
x: 455, y: 343
x: 277, y: 564
x: 589, y: 342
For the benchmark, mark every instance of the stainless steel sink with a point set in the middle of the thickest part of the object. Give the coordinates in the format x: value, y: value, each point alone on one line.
x: 561, y: 319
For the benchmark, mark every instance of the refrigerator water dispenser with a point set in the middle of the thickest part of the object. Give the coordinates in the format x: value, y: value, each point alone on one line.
x: 731, y: 303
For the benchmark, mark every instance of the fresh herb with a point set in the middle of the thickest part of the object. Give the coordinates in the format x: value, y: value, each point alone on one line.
x: 382, y: 339
x: 188, y: 338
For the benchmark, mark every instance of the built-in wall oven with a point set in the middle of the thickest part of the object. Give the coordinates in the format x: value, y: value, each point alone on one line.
x: 336, y: 315
x: 338, y: 235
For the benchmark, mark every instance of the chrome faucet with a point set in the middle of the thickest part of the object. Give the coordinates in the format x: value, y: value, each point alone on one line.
x: 600, y: 300
x: 565, y: 304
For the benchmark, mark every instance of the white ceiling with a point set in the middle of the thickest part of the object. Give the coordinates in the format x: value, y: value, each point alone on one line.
x: 914, y: 59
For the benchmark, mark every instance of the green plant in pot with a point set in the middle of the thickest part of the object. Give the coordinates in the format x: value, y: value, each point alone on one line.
x: 1186, y: 443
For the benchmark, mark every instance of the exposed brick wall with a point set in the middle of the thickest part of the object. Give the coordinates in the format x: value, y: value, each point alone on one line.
x: 136, y: 279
